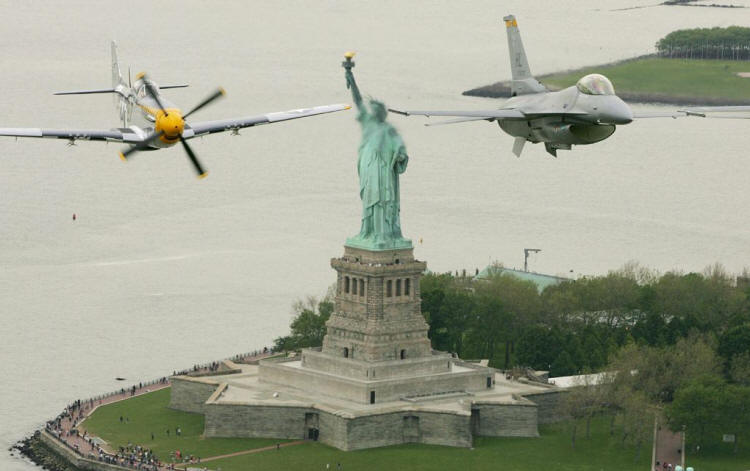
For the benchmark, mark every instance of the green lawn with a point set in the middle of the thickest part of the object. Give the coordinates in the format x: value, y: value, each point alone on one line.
x: 148, y: 413
x: 670, y: 77
x: 552, y: 450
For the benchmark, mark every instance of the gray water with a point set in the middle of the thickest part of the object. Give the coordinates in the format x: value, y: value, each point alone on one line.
x: 162, y: 271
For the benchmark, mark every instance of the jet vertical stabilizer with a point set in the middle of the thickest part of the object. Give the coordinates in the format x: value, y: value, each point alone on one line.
x: 523, y: 82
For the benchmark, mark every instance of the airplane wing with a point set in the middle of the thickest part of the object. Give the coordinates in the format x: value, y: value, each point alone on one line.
x: 660, y: 114
x: 480, y: 114
x: 126, y: 135
x: 210, y: 127
x: 716, y: 109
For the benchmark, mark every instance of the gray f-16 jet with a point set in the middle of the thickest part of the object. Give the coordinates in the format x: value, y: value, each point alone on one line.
x: 159, y: 123
x: 586, y: 113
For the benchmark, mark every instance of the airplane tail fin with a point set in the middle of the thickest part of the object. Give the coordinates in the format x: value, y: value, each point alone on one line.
x: 122, y: 101
x: 523, y: 82
x: 116, y: 73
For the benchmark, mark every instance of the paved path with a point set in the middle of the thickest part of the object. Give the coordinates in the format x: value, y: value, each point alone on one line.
x: 79, y: 414
x: 239, y: 453
x: 668, y: 447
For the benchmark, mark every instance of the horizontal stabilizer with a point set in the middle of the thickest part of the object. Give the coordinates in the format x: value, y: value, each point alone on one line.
x: 164, y: 87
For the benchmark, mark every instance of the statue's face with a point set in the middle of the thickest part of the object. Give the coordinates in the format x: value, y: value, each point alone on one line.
x: 378, y: 110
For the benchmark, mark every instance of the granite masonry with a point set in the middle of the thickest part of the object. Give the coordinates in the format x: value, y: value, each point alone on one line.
x: 374, y: 382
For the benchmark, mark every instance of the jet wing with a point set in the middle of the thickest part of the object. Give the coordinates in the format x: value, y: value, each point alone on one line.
x: 660, y: 114
x: 210, y: 127
x: 126, y: 135
x: 716, y: 109
x: 480, y: 114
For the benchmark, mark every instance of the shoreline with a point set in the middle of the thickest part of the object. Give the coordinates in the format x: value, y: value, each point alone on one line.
x: 502, y: 89
x: 58, y: 446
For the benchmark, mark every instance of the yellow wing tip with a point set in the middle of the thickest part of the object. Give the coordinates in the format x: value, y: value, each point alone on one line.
x: 122, y: 157
x: 348, y: 107
x: 222, y: 91
x: 349, y: 54
x: 510, y: 23
x: 202, y: 175
x: 140, y: 75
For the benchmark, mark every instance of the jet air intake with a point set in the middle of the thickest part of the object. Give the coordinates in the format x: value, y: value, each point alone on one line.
x: 566, y: 133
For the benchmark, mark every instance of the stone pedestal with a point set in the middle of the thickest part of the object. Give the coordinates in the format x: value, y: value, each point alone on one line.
x: 376, y: 347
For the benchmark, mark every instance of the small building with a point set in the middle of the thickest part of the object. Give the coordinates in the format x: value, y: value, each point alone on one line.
x: 541, y: 280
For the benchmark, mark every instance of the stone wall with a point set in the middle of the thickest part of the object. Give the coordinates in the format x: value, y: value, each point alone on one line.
x: 337, y: 430
x: 257, y: 421
x: 76, y: 460
x: 435, y: 363
x: 385, y: 390
x: 506, y: 420
x: 547, y: 405
x: 190, y: 394
x: 429, y: 427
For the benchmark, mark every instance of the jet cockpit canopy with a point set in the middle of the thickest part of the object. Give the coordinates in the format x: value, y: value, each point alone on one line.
x: 595, y: 84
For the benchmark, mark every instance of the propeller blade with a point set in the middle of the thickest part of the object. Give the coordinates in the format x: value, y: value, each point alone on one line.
x: 217, y: 94
x: 153, y: 94
x: 139, y: 147
x: 201, y: 173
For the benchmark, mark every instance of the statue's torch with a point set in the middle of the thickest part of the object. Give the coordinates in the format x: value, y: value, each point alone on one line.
x: 348, y: 63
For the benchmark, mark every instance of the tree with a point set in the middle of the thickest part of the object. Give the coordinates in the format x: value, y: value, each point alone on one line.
x: 699, y: 408
x: 638, y: 421
x: 658, y: 372
x: 734, y: 341
x: 308, y: 326
x: 504, y: 305
x: 739, y: 369
x: 563, y: 365
x: 539, y: 346
x: 736, y: 411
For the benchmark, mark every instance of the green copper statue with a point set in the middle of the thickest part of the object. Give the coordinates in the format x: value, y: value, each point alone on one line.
x: 382, y: 157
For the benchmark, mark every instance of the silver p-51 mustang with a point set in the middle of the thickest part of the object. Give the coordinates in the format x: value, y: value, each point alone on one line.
x: 158, y: 122
x: 586, y: 113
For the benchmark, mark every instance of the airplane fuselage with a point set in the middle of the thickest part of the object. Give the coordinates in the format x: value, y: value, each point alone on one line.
x: 566, y: 117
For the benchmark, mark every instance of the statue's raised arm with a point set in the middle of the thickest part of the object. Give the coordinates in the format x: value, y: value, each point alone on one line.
x: 382, y: 158
x: 351, y: 84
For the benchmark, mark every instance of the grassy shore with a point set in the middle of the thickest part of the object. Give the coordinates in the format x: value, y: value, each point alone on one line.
x: 659, y: 80
x: 602, y: 451
x: 146, y: 414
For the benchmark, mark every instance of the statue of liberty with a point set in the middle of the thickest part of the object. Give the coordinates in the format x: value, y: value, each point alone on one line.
x: 382, y: 157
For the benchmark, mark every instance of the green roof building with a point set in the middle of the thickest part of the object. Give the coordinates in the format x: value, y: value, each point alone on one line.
x: 540, y: 280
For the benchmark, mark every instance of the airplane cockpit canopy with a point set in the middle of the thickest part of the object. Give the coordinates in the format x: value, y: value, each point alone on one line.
x: 595, y: 84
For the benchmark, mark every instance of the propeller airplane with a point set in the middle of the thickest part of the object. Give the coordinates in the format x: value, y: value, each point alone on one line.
x: 158, y: 122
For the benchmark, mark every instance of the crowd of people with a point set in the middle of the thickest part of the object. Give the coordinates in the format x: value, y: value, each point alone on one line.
x: 65, y: 426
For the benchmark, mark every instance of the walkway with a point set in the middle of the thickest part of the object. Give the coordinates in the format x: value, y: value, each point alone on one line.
x: 668, y: 447
x: 75, y: 414
x: 239, y: 453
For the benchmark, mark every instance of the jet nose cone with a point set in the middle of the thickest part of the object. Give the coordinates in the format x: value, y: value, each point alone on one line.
x: 618, y: 112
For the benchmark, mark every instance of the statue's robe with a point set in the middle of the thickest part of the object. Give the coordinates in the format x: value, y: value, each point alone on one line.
x: 382, y: 157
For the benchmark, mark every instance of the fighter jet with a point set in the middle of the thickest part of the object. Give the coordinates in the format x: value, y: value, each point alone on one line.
x: 159, y: 123
x: 586, y: 113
